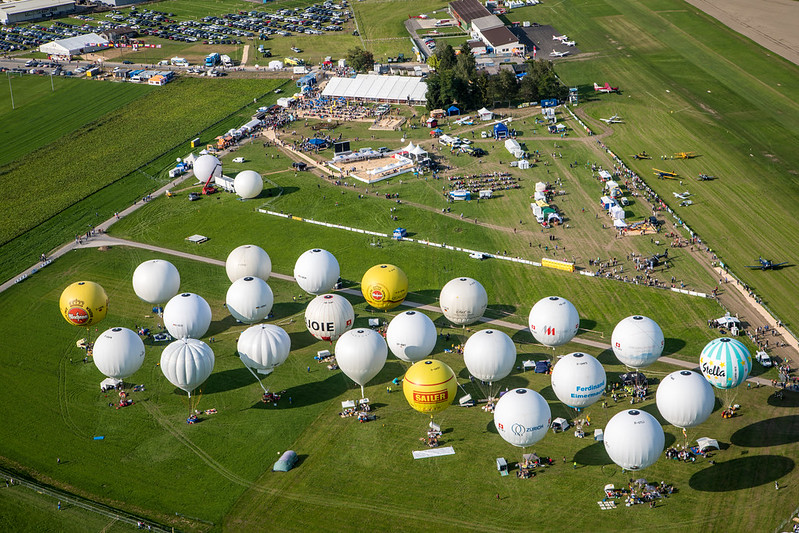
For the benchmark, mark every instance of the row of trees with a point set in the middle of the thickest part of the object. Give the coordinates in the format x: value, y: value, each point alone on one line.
x: 456, y: 80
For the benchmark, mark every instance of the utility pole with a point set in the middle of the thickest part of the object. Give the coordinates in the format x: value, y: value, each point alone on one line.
x: 10, y: 90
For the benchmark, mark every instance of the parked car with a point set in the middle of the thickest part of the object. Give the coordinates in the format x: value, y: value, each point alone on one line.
x: 194, y: 196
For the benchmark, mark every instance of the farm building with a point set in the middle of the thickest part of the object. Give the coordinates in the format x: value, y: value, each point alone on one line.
x: 465, y: 11
x: 74, y: 46
x: 374, y: 88
x: 28, y: 10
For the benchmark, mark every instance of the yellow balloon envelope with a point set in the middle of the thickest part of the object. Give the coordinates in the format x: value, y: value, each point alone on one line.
x: 384, y: 286
x: 429, y: 386
x: 83, y: 303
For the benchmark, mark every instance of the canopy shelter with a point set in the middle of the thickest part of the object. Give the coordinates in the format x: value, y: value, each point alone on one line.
x: 500, y: 130
x: 372, y: 87
x: 418, y: 152
x: 706, y: 443
x: 453, y: 110
x: 485, y: 114
x: 320, y: 143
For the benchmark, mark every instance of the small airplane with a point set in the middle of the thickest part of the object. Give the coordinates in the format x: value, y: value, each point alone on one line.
x: 658, y: 259
x: 665, y: 174
x: 705, y: 177
x: 615, y: 119
x: 569, y: 43
x: 767, y: 264
x: 686, y: 203
x: 555, y: 53
x: 684, y: 155
x: 681, y: 196
x: 642, y: 155
x: 560, y: 38
x: 606, y: 89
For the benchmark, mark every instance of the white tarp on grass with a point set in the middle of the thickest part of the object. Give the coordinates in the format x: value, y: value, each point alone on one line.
x: 433, y: 452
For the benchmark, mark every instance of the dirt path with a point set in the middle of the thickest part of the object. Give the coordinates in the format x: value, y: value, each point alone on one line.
x: 106, y: 240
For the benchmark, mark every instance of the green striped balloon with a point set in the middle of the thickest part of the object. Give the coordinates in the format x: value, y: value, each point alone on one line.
x: 725, y: 363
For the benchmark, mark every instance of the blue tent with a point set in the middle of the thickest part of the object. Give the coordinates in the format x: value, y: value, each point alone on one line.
x: 453, y: 110
x: 399, y: 233
x: 317, y: 142
x: 541, y: 367
x: 500, y: 130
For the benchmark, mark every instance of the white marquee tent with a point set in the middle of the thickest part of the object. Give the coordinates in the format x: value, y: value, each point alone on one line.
x: 397, y: 89
x: 73, y: 46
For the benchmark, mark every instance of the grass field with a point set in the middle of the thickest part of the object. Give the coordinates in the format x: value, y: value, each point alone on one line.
x: 82, y: 190
x: 42, y: 115
x: 360, y: 477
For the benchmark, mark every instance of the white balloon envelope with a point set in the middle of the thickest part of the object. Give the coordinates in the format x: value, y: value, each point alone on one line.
x: 578, y: 380
x: 522, y: 417
x: 637, y: 341
x: 264, y: 347
x: 411, y: 336
x: 328, y: 316
x: 249, y: 299
x: 187, y: 363
x: 685, y: 399
x: 248, y: 184
x: 187, y: 315
x: 489, y: 355
x: 725, y: 362
x: 156, y: 281
x: 463, y: 301
x: 553, y: 321
x: 361, y: 354
x: 634, y: 439
x: 206, y: 166
x: 316, y: 271
x: 118, y: 353
x: 248, y: 260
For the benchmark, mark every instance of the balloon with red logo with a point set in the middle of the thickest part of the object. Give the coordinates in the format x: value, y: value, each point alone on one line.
x: 328, y: 316
x: 84, y: 303
x: 553, y: 321
x: 384, y: 286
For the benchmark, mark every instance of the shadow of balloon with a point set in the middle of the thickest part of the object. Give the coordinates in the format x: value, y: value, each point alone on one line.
x: 523, y: 336
x: 500, y: 311
x: 310, y: 393
x: 491, y: 428
x: 607, y: 357
x: 741, y: 473
x: 672, y: 346
x: 287, y: 309
x: 771, y: 432
x: 789, y: 399
x: 228, y: 380
x: 587, y: 323
x: 303, y: 339
x: 593, y: 455
x: 549, y: 395
x: 219, y: 326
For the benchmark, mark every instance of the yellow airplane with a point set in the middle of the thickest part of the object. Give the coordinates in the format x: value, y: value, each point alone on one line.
x: 684, y: 155
x: 665, y: 174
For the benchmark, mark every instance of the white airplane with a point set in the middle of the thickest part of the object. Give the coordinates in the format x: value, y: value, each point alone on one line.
x: 555, y: 53
x: 569, y: 43
x: 615, y: 119
x: 559, y: 38
x: 681, y: 196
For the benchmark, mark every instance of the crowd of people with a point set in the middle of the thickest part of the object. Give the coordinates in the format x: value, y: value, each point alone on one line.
x: 495, y: 181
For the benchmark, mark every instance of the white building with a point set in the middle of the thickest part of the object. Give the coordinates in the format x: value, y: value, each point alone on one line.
x: 371, y: 87
x: 28, y: 10
x: 73, y: 46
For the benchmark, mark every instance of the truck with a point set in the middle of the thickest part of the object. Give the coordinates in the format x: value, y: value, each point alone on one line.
x: 212, y: 60
x: 179, y: 61
x: 226, y: 61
